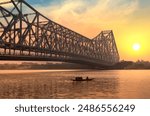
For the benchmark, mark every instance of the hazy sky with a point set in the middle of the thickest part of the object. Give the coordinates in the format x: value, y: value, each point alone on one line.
x: 129, y: 20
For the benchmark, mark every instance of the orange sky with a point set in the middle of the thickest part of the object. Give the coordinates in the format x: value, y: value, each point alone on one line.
x: 129, y: 20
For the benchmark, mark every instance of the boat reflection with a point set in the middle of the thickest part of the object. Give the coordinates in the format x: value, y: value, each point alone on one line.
x: 100, y: 88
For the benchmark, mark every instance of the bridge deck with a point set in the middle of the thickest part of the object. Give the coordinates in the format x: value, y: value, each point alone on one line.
x: 32, y: 36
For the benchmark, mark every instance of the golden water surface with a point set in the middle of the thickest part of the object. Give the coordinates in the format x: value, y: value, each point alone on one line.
x: 58, y: 84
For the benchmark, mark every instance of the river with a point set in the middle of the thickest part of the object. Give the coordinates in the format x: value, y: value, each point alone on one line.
x: 54, y: 84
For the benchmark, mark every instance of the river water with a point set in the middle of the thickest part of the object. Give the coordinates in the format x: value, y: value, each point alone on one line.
x: 52, y: 84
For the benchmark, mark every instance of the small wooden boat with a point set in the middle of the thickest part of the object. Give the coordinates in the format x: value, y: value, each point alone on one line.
x: 81, y: 79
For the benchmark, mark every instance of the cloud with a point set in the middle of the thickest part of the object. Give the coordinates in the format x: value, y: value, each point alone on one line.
x: 5, y: 5
x: 2, y: 1
x: 40, y: 2
x: 8, y: 4
x: 88, y: 17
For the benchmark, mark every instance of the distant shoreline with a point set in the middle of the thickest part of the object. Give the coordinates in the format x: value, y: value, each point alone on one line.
x: 122, y: 65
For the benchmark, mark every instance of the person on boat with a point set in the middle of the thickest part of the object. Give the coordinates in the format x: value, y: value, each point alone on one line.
x: 87, y: 78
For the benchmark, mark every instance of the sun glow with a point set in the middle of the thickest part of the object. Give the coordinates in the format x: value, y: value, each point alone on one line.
x: 136, y: 47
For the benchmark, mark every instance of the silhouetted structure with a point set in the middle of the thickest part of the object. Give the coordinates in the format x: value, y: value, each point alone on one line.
x: 25, y: 34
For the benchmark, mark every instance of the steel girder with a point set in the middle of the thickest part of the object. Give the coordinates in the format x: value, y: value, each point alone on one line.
x: 27, y: 33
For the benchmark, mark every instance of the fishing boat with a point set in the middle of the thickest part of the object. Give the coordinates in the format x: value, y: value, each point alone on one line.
x: 82, y: 79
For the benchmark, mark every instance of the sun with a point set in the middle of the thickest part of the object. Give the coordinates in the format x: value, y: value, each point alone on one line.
x: 136, y: 47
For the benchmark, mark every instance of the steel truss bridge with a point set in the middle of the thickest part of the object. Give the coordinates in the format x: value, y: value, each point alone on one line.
x: 26, y: 34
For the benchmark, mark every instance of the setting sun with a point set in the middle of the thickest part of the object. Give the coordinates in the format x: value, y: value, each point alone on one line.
x: 136, y: 47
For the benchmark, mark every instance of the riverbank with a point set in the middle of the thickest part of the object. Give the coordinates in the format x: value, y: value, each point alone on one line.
x: 46, y: 66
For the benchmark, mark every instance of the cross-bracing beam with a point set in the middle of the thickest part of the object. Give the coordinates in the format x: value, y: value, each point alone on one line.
x: 27, y: 33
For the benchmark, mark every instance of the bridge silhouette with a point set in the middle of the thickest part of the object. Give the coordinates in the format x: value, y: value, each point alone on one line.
x: 26, y: 34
